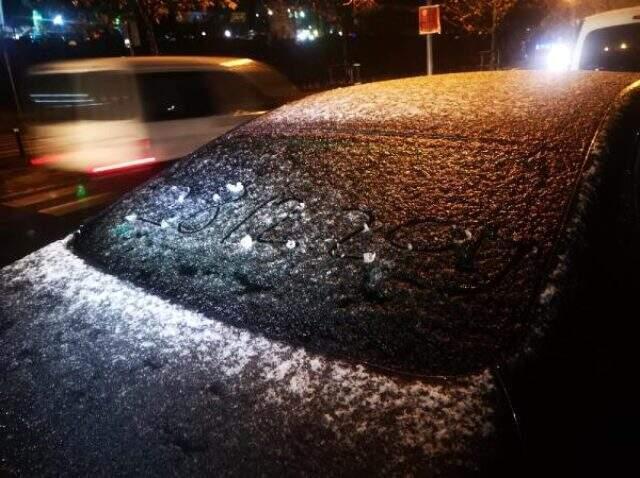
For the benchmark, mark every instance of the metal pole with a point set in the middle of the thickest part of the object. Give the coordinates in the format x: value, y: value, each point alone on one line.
x: 7, y: 63
x: 429, y: 50
x: 16, y: 99
x: 494, y: 37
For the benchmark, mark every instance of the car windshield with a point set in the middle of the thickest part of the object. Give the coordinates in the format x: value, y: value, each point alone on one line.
x: 99, y: 96
x: 614, y: 49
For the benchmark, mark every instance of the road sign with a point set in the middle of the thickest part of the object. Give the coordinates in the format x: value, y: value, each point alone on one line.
x: 429, y: 20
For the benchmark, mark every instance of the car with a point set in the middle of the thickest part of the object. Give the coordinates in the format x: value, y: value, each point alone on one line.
x: 609, y: 41
x: 391, y: 279
x: 106, y: 114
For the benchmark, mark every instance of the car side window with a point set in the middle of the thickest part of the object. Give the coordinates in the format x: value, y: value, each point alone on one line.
x: 234, y: 93
x: 614, y: 49
x: 176, y: 95
x: 92, y: 96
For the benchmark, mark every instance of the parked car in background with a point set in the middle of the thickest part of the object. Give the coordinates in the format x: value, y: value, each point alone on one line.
x: 609, y: 41
x: 97, y: 115
x: 419, y: 277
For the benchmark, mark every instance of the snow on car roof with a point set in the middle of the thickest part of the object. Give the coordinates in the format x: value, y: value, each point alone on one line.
x: 404, y: 225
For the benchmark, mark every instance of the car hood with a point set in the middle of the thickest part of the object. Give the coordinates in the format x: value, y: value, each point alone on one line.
x: 97, y: 374
x: 406, y: 225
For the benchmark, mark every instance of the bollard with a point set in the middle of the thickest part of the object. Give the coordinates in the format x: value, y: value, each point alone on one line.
x: 23, y: 154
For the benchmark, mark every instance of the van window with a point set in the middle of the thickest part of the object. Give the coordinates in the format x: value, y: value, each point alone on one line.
x: 175, y: 95
x: 236, y: 93
x: 99, y: 96
x: 613, y: 48
x: 193, y: 94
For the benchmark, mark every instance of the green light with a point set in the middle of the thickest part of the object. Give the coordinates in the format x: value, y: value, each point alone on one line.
x: 37, y: 19
x: 81, y: 191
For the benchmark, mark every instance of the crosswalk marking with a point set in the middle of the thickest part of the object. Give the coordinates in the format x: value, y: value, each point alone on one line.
x: 41, y: 197
x: 79, y: 204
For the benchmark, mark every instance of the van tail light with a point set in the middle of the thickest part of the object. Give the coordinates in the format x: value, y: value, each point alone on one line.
x: 45, y: 159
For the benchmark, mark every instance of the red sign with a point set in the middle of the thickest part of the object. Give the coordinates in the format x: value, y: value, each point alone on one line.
x: 429, y: 20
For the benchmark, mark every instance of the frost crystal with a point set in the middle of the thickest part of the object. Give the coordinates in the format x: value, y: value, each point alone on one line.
x: 291, y: 244
x: 369, y: 257
x: 131, y: 217
x: 236, y: 188
x: 246, y: 242
x: 216, y: 197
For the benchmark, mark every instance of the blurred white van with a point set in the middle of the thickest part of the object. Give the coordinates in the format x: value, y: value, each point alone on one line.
x: 107, y: 114
x: 609, y: 41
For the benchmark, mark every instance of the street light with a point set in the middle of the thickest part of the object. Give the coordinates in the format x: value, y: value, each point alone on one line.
x: 58, y: 20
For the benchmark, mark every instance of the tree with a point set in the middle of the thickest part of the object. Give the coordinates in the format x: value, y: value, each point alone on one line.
x: 479, y: 16
x: 146, y: 12
x: 332, y: 12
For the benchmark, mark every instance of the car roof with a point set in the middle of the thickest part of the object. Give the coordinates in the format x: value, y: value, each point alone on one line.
x: 149, y: 64
x: 613, y: 17
x: 406, y: 224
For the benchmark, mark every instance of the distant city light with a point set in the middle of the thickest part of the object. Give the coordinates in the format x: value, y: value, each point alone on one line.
x: 227, y: 33
x: 58, y: 20
x: 269, y: 12
x: 623, y: 46
x: 257, y: 15
x: 127, y: 43
x: 203, y: 33
x: 340, y: 33
x: 307, y: 35
x: 606, y: 48
x: 302, y: 15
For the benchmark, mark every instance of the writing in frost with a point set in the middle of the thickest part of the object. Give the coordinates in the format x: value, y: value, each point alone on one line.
x: 276, y: 220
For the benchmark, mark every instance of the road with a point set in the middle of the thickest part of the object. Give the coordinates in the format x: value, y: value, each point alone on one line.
x: 38, y: 206
x: 9, y: 152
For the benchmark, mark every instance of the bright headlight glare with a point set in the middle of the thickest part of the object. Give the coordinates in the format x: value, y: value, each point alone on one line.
x: 559, y: 57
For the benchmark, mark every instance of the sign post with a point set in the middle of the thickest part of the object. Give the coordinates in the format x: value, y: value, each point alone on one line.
x: 429, y: 24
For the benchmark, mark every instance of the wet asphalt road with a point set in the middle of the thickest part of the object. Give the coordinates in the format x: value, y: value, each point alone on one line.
x: 38, y: 206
